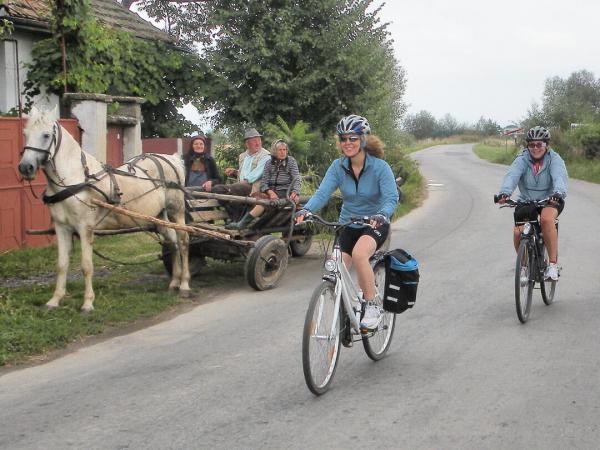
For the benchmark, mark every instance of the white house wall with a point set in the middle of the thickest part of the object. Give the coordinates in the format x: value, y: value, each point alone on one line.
x: 8, y: 73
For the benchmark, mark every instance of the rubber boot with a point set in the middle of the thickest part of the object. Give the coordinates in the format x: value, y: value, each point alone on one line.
x: 242, y: 224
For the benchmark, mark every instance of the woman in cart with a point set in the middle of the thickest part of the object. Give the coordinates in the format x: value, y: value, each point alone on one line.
x: 200, y: 167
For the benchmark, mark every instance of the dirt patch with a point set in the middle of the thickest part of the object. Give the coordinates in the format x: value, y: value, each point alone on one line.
x: 48, y: 278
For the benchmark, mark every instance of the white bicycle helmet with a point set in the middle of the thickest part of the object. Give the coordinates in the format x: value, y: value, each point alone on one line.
x: 353, y: 124
x: 538, y: 134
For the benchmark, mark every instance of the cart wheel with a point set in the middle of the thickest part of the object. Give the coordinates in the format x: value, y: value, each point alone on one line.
x: 266, y: 262
x: 196, y: 262
x: 301, y: 247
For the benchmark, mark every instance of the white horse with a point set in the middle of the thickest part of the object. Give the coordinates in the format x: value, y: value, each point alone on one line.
x: 147, y: 184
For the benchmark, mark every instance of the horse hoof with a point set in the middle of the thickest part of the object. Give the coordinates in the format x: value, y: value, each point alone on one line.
x: 87, y: 310
x: 51, y: 307
x: 185, y: 293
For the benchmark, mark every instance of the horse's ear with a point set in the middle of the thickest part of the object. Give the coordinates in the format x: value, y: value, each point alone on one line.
x: 55, y: 113
x: 33, y: 112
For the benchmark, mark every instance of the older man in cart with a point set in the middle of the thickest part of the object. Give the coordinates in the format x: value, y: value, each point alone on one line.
x: 249, y: 172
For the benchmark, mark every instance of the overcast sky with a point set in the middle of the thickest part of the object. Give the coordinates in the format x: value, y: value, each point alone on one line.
x: 474, y: 57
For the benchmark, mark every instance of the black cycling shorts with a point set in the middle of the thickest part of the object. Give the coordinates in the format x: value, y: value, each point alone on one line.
x: 350, y: 235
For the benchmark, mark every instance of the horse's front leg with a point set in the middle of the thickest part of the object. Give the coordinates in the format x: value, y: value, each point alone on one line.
x: 86, y: 236
x: 183, y: 244
x: 64, y: 238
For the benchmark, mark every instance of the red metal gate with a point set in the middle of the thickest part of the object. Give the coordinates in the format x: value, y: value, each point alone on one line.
x: 114, y: 145
x: 19, y: 208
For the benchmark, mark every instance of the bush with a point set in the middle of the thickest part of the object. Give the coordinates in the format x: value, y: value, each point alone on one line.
x: 588, y: 139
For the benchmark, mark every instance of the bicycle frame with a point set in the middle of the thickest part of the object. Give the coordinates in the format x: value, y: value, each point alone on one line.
x: 345, y: 289
x: 532, y: 234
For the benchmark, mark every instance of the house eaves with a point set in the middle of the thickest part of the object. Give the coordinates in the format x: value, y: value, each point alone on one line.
x: 34, y: 15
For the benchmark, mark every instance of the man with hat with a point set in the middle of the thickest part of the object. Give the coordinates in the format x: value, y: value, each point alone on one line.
x: 249, y: 174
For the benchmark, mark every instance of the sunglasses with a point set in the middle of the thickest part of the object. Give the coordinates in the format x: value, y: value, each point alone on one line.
x: 349, y: 139
x: 535, y: 145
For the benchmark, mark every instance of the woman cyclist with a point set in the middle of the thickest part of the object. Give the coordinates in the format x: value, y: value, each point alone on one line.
x: 539, y: 172
x: 368, y: 188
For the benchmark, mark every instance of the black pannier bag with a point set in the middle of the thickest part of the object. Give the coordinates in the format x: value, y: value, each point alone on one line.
x: 401, y: 281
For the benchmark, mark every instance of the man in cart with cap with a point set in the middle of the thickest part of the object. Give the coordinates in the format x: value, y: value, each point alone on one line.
x: 249, y: 173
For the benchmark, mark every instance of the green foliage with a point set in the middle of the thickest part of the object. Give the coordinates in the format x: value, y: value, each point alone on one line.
x: 487, y: 127
x: 299, y: 139
x: 421, y: 125
x: 6, y: 28
x: 314, y: 61
x: 110, y: 61
x: 575, y: 99
x: 587, y: 138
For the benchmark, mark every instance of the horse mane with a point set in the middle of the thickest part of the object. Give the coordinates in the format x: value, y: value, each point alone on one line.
x: 38, y: 119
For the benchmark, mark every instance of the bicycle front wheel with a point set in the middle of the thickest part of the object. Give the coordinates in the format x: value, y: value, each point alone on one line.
x: 321, y: 339
x: 548, y: 287
x: 524, y: 281
x: 377, y: 343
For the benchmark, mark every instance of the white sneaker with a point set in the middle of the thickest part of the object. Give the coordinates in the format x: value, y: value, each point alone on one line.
x: 551, y: 272
x: 372, y: 317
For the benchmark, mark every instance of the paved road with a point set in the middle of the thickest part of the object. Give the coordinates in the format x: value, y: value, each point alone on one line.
x: 462, y: 372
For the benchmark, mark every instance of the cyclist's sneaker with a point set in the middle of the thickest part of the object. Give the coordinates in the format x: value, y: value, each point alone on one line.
x: 551, y: 272
x: 372, y: 317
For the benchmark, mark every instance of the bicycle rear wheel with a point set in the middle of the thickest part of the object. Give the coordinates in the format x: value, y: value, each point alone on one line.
x: 321, y: 339
x: 548, y: 287
x: 524, y: 281
x: 377, y: 343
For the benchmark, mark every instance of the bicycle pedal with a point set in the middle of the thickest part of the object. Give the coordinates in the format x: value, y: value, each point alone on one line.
x: 367, y: 330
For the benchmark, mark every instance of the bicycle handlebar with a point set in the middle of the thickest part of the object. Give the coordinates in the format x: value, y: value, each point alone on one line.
x: 510, y: 203
x: 312, y: 217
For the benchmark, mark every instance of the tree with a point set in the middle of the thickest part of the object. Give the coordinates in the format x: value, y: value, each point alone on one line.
x: 565, y: 101
x: 487, y: 127
x: 448, y: 126
x: 421, y: 125
x: 310, y: 60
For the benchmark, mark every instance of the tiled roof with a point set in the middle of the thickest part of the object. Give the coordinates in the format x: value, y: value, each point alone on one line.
x: 108, y: 12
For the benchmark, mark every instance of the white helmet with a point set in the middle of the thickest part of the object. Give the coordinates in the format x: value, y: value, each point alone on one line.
x: 353, y: 124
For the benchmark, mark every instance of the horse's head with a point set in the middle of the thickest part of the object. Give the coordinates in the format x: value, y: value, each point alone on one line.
x: 42, y: 139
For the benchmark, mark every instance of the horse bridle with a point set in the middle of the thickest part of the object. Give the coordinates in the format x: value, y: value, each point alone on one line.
x: 56, y: 141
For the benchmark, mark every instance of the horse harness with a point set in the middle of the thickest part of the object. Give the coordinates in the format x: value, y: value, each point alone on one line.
x: 115, y: 194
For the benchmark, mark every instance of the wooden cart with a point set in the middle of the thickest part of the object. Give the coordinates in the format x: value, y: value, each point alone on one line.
x: 265, y: 246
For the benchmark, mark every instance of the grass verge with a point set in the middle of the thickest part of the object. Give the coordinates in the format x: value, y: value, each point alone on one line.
x: 125, y: 294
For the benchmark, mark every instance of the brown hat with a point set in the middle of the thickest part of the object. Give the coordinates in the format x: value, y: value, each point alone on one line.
x: 251, y: 133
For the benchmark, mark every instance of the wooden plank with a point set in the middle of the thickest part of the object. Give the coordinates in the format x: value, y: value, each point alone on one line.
x: 205, y: 216
x: 203, y: 204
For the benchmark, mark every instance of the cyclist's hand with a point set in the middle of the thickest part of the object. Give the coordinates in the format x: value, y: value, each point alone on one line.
x: 299, y: 216
x: 556, y: 198
x: 377, y: 220
x: 501, y: 198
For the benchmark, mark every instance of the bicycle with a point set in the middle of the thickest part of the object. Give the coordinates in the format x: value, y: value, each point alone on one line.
x: 532, y: 259
x: 334, y: 314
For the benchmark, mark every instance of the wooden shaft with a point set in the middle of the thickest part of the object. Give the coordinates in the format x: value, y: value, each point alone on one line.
x: 164, y: 223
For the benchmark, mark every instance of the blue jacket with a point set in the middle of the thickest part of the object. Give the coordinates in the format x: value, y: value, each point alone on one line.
x: 374, y: 192
x: 551, y: 178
